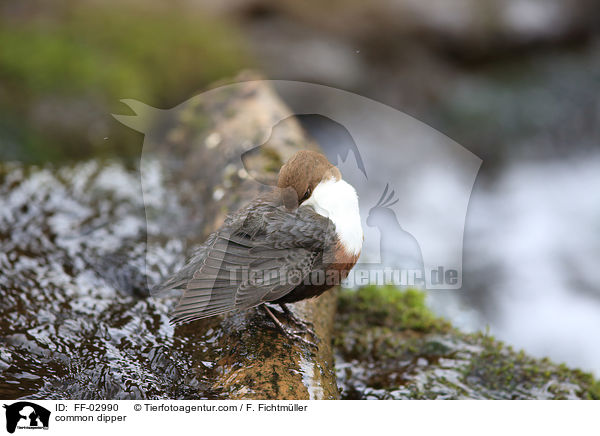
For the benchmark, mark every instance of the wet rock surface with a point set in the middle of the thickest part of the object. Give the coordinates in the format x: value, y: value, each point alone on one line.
x: 76, y: 320
x: 81, y: 246
x: 390, y: 346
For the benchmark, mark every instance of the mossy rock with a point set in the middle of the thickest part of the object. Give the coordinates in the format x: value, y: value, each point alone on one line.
x: 389, y: 345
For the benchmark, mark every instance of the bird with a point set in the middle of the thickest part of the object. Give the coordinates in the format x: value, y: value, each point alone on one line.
x: 292, y: 243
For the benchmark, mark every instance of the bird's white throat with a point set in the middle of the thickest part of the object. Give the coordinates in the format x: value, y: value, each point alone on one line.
x: 337, y: 200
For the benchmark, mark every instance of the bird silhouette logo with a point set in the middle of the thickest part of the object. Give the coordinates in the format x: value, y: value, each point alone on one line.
x: 398, y: 248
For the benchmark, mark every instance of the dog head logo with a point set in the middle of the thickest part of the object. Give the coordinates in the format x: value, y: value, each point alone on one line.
x: 26, y: 415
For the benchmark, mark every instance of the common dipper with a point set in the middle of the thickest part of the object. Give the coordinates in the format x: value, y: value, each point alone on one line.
x: 295, y: 242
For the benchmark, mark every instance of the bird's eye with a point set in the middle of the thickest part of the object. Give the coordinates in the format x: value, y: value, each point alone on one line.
x: 307, y: 194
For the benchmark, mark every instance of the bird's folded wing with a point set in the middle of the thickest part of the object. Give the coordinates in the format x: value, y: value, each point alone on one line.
x: 258, y: 261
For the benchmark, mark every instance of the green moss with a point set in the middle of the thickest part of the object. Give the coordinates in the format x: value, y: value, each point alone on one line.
x: 499, y: 367
x: 146, y: 53
x: 389, y: 345
x: 273, y: 159
x: 387, y: 306
x: 90, y: 55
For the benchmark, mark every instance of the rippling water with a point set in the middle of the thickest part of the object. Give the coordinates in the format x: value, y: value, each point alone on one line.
x: 74, y: 321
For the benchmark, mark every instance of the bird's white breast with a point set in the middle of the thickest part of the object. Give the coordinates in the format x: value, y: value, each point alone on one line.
x: 337, y: 200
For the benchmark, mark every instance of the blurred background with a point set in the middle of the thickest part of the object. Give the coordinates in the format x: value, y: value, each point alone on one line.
x: 517, y: 82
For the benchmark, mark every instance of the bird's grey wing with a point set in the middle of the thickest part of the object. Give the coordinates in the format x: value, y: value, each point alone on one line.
x: 258, y: 261
x: 180, y: 279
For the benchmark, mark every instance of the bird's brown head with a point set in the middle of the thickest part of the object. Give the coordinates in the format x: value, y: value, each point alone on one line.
x: 301, y: 174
